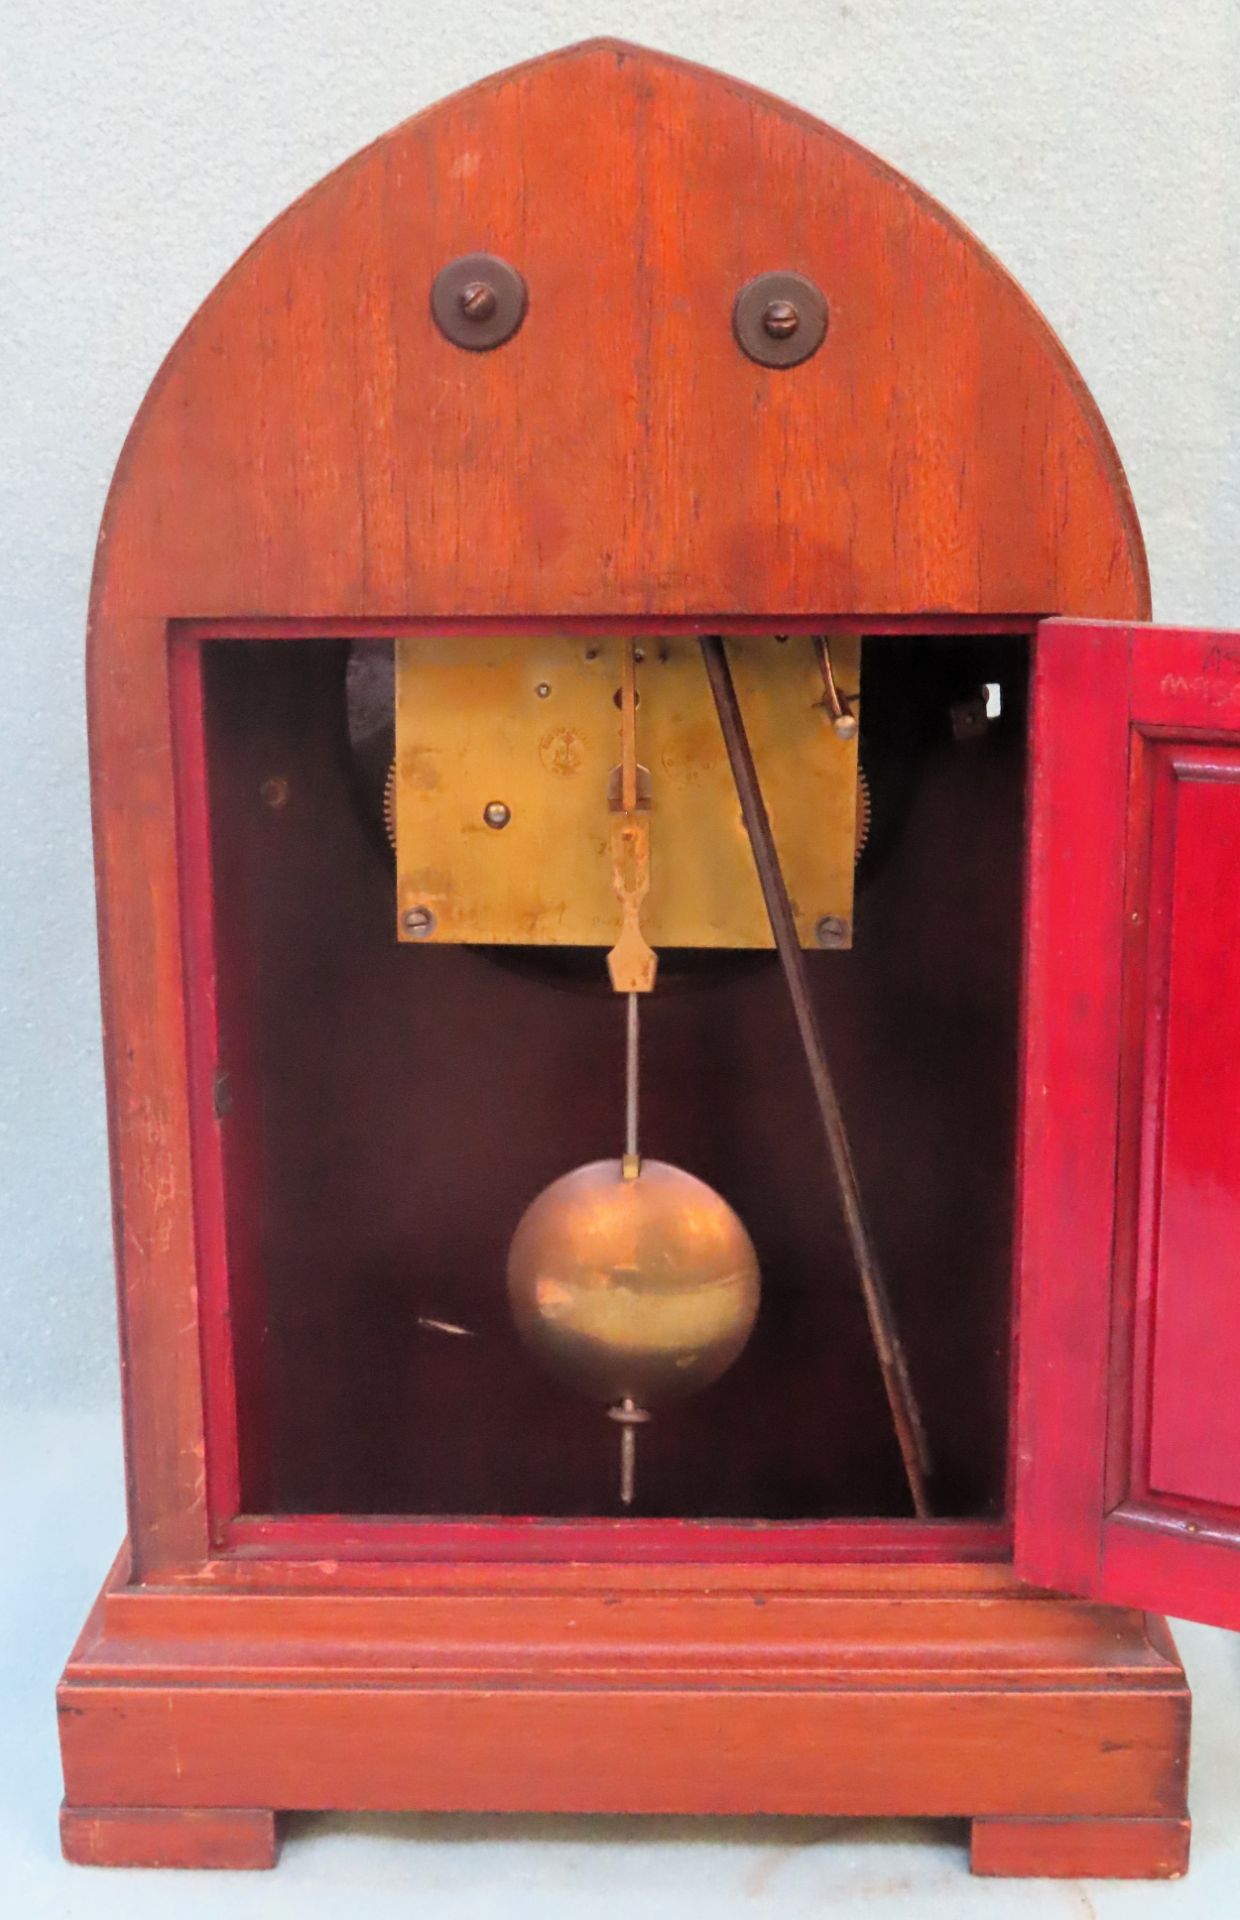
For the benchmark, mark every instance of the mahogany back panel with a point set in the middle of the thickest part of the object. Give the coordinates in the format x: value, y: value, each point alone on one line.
x: 313, y: 449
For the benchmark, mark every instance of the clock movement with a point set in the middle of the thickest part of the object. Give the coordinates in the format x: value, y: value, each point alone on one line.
x: 669, y: 940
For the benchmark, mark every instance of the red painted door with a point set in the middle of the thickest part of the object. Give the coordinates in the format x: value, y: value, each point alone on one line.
x: 1128, y: 1404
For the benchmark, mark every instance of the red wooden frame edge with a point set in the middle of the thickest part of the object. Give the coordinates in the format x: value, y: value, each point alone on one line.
x: 464, y: 626
x: 635, y: 1542
x: 1071, y: 1038
x: 200, y: 999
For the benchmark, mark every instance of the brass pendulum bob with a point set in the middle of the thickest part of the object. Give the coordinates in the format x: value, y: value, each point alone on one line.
x: 631, y: 1280
x: 633, y: 1292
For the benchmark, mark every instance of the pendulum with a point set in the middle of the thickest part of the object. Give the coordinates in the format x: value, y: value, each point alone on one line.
x: 632, y: 1281
x: 633, y: 1292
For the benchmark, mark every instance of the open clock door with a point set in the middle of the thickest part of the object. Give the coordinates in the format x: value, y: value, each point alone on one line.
x: 1128, y: 1412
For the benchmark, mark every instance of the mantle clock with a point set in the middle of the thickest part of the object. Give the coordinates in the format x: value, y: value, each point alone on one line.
x: 669, y: 945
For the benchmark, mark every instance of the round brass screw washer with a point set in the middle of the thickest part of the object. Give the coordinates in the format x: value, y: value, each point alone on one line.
x: 478, y: 301
x: 780, y: 319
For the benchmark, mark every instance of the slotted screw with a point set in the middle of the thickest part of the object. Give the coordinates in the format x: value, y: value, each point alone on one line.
x: 478, y: 300
x: 780, y: 319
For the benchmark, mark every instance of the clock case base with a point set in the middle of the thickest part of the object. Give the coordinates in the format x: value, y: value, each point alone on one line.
x: 193, y: 1713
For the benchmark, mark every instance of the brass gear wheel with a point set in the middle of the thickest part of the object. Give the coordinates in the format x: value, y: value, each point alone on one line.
x: 865, y: 814
x: 389, y: 806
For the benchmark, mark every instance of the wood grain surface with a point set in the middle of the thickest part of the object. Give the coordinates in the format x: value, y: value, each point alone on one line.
x: 1082, y: 1848
x: 314, y: 445
x: 696, y: 1690
x: 237, y: 1837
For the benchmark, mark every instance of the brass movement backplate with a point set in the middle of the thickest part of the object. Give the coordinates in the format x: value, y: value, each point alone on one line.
x: 527, y: 731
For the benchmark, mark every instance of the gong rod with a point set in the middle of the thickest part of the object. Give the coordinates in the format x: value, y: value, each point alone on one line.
x: 905, y: 1413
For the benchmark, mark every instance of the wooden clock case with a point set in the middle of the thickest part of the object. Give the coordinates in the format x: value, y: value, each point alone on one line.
x: 359, y: 1578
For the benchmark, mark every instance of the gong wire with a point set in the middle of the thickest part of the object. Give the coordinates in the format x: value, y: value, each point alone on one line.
x: 905, y: 1412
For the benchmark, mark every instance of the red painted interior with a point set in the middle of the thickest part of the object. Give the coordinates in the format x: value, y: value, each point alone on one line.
x: 375, y: 1146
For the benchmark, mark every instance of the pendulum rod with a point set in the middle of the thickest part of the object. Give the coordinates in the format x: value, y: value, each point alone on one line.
x: 632, y: 1067
x: 632, y: 965
x: 905, y: 1413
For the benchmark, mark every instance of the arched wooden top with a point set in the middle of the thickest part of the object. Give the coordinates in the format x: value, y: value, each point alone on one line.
x: 314, y: 447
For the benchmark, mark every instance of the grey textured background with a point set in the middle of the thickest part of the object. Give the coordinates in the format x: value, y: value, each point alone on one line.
x: 1096, y: 149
